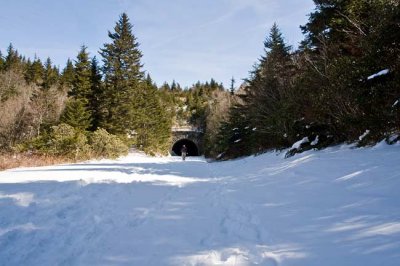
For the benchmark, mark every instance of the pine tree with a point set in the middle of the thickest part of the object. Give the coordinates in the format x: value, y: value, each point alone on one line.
x: 165, y: 87
x: 50, y: 75
x: 122, y: 76
x: 232, y: 88
x: 81, y: 85
x: 152, y: 122
x: 261, y: 117
x: 269, y: 93
x: 35, y: 72
x: 95, y: 94
x: 68, y: 76
x: 173, y: 86
x: 76, y: 114
x: 13, y: 59
x: 150, y: 82
x: 344, y: 45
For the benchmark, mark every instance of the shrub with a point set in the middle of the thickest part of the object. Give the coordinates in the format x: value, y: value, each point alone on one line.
x: 66, y: 140
x: 105, y: 145
x: 62, y: 140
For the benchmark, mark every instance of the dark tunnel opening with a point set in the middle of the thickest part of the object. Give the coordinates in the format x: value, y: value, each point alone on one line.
x: 191, y: 147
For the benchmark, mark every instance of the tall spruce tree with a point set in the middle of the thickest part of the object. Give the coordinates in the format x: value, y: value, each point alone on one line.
x: 232, y: 88
x: 95, y: 93
x: 35, y: 72
x: 81, y: 85
x: 13, y: 60
x: 269, y: 94
x: 77, y: 112
x: 122, y: 76
x: 261, y: 116
x: 50, y: 74
x: 151, y: 120
x: 68, y: 75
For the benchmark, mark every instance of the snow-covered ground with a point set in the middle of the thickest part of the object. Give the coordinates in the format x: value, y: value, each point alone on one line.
x: 339, y: 206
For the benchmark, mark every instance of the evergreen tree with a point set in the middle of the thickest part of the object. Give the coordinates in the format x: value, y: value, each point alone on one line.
x: 76, y: 114
x: 269, y: 93
x: 50, y: 75
x: 81, y: 84
x: 122, y: 76
x: 262, y: 117
x: 150, y: 82
x: 173, y: 86
x: 35, y: 72
x: 232, y: 88
x: 68, y: 75
x: 13, y: 59
x: 152, y: 121
x: 95, y: 93
x: 235, y: 135
x: 344, y: 45
x: 165, y: 87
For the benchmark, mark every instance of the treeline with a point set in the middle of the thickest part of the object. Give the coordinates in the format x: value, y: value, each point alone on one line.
x: 341, y: 85
x: 84, y: 110
x: 99, y: 109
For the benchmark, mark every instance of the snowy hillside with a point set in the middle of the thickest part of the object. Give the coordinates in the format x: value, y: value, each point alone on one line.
x: 340, y: 206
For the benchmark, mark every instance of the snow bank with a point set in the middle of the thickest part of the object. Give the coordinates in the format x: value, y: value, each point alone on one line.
x: 338, y: 206
x: 380, y: 73
x: 298, y: 144
x: 360, y: 138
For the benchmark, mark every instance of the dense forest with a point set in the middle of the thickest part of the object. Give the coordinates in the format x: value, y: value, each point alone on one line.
x: 340, y: 85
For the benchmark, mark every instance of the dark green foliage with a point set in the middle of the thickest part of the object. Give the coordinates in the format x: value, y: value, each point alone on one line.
x: 345, y: 44
x: 81, y: 84
x: 151, y: 122
x: 122, y: 77
x: 262, y: 119
x: 76, y: 114
x: 232, y: 88
x: 197, y: 99
x: 269, y: 95
x: 35, y: 72
x: 68, y: 75
x: 322, y: 91
x: 50, y: 75
x: 95, y: 94
x: 129, y: 104
x: 13, y: 61
x: 235, y: 135
x: 123, y: 102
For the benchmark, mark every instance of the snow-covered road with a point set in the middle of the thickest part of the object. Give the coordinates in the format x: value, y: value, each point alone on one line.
x: 339, y: 206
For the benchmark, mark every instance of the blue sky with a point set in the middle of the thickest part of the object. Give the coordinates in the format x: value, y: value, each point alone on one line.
x: 185, y: 40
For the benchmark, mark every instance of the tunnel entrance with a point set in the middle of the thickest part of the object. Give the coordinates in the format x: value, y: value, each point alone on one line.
x: 191, y: 147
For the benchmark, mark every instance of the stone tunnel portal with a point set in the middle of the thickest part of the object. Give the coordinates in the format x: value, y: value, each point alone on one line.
x: 192, y: 149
